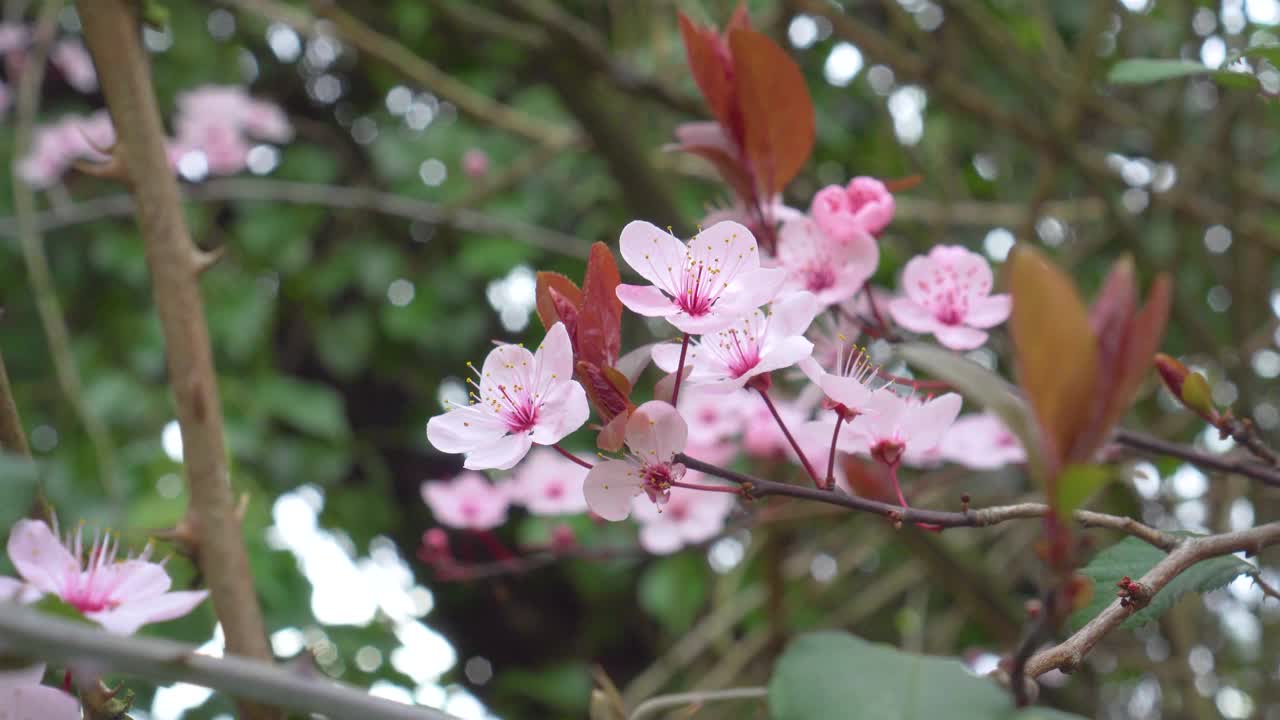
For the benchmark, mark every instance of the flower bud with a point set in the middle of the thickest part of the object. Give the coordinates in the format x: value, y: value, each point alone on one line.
x: 563, y: 538
x: 1191, y: 389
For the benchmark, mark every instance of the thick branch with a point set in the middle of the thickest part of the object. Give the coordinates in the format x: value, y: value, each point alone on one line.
x: 1068, y: 655
x: 111, y: 30
x: 28, y: 633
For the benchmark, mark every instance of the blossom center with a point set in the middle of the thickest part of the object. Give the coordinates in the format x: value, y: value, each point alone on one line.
x: 517, y: 408
x: 697, y: 292
x: 741, y: 352
x: 819, y: 278
x: 888, y: 452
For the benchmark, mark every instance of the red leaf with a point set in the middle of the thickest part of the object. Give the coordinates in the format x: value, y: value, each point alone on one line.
x: 902, y: 184
x: 546, y: 305
x: 599, y: 333
x: 567, y: 311
x: 608, y: 389
x: 614, y: 433
x: 1145, y: 333
x: 776, y: 109
x: 710, y: 68
x: 740, y: 20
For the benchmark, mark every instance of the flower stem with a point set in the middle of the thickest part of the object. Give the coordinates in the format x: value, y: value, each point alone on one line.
x: 875, y: 310
x: 708, y: 488
x: 675, y: 390
x: 902, y: 500
x: 831, y: 459
x: 817, y: 481
x: 572, y: 457
x: 495, y: 546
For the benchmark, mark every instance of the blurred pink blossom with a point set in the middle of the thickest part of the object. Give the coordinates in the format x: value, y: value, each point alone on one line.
x: 547, y: 483
x: 703, y: 287
x: 22, y: 696
x: 73, y: 61
x: 892, y: 425
x: 219, y: 121
x: 57, y: 146
x: 834, y: 271
x: 467, y: 502
x: 688, y: 518
x: 948, y: 293
x: 713, y: 417
x: 981, y: 441
x: 475, y: 163
x: 763, y: 438
x: 120, y: 595
x: 865, y: 205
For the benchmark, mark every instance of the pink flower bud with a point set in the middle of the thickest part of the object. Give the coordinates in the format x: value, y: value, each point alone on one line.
x: 475, y: 163
x: 562, y: 538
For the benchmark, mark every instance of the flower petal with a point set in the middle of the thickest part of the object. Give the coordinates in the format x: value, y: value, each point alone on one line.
x: 610, y: 486
x: 508, y: 365
x: 660, y: 538
x: 138, y: 580
x: 554, y: 359
x: 13, y: 589
x: 128, y: 618
x: 847, y: 391
x: 753, y: 289
x: 646, y: 300
x: 38, y: 556
x: 654, y: 253
x: 792, y: 315
x: 727, y: 249
x: 656, y: 432
x: 25, y: 676
x: 36, y: 701
x: 783, y: 354
x: 918, y: 277
x: 959, y: 337
x: 926, y: 423
x: 464, y: 429
x: 714, y: 321
x: 911, y: 315
x: 502, y: 454
x: 988, y: 311
x: 564, y: 410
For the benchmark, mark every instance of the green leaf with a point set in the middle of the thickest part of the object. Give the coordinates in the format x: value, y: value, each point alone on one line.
x: 674, y: 590
x: 1270, y: 53
x: 826, y: 670
x: 1134, y: 558
x: 56, y: 606
x: 1076, y: 484
x: 309, y: 407
x: 1141, y: 71
x: 984, y: 387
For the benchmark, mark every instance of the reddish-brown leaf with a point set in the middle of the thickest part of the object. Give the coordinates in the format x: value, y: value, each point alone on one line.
x: 902, y: 184
x: 546, y: 305
x: 776, y: 109
x: 710, y: 69
x: 1055, y: 351
x: 728, y: 166
x: 599, y: 333
x: 740, y: 20
x: 868, y: 479
x: 607, y: 389
x: 1145, y: 334
x: 614, y: 433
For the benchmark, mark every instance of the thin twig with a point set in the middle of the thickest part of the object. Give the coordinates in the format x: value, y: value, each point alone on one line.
x: 696, y: 698
x: 795, y: 446
x: 12, y: 437
x: 1154, y: 445
x: 28, y: 633
x: 37, y: 262
x: 332, y: 196
x: 112, y: 31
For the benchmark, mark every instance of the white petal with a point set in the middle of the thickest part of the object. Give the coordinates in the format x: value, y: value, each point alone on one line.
x: 654, y: 253
x: 610, y: 486
x: 783, y: 354
x: 39, y: 557
x: 656, y: 432
x: 911, y: 315
x: 502, y: 454
x: 464, y: 429
x: 36, y: 701
x: 139, y: 580
x: 660, y: 538
x: 792, y: 315
x: 667, y: 356
x: 927, y: 423
x: 988, y: 311
x: 726, y: 248
x: 507, y: 365
x: 959, y: 337
x: 755, y: 288
x: 646, y: 300
x: 564, y: 410
x: 127, y: 618
x: 554, y: 360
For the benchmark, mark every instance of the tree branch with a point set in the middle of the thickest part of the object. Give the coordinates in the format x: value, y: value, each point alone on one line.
x: 28, y: 633
x: 332, y: 196
x: 696, y: 699
x: 1156, y: 446
x: 12, y: 437
x: 112, y: 32
x: 1068, y: 655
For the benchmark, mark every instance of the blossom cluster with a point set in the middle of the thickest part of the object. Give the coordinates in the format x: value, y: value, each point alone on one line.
x: 214, y: 130
x: 68, y: 56
x: 740, y: 318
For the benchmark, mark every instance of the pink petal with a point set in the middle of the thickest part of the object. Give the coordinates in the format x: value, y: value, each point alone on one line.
x: 912, y: 316
x: 727, y: 248
x: 812, y: 370
x: 667, y: 356
x: 988, y: 311
x: 35, y: 702
x: 139, y: 580
x: 656, y: 432
x: 783, y: 354
x: 38, y: 556
x: 13, y: 589
x: 792, y: 315
x: 26, y: 676
x: 646, y: 300
x: 959, y: 337
x: 714, y: 321
x: 464, y: 429
x: 654, y: 253
x: 502, y: 454
x: 610, y: 486
x: 847, y: 391
x: 800, y: 241
x: 918, y: 278
x: 128, y: 618
x: 972, y: 271
x: 755, y: 288
x: 507, y: 365
x: 660, y: 538
x: 926, y: 423
x: 554, y: 359
x: 564, y: 410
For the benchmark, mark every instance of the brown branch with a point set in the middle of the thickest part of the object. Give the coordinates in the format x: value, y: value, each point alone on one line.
x: 1068, y: 655
x: 12, y: 437
x: 1154, y: 445
x: 112, y: 32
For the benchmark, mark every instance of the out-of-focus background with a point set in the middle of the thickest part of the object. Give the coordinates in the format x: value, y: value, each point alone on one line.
x: 387, y: 224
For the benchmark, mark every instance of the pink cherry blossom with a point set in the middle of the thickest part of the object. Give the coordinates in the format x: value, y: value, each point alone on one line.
x: 548, y: 483
x: 714, y: 417
x: 699, y: 288
x: 948, y: 293
x: 654, y: 434
x: 774, y: 212
x: 55, y: 147
x: 981, y: 441
x: 467, y: 502
x: 73, y: 61
x: 864, y: 206
x: 120, y: 595
x: 688, y: 518
x: 22, y: 697
x: 892, y: 424
x: 763, y: 438
x: 522, y: 398
x: 13, y: 37
x: 833, y: 271
x: 850, y: 384
x: 758, y: 343
x: 475, y: 163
